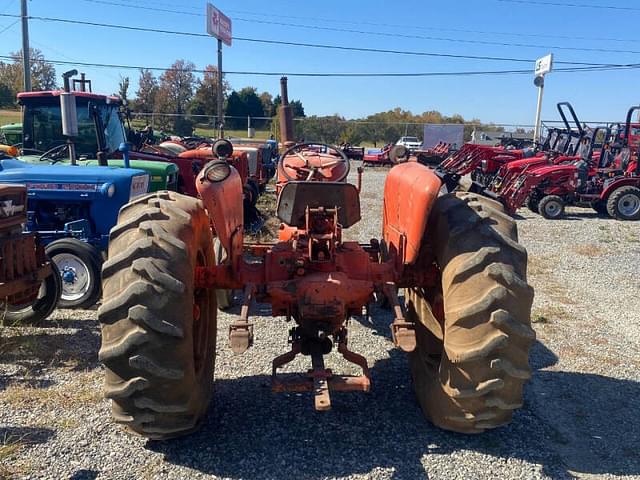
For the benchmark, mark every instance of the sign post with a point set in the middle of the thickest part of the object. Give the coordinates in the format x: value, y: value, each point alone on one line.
x: 544, y: 65
x: 219, y: 26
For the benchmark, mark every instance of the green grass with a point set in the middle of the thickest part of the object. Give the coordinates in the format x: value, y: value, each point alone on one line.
x: 10, y: 116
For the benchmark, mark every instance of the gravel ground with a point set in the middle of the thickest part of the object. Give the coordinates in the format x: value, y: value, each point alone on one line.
x: 580, y: 417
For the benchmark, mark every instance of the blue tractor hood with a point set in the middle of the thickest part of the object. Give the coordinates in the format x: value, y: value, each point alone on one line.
x: 17, y: 171
x: 102, y: 190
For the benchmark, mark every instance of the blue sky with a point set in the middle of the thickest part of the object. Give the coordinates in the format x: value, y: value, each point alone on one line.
x: 603, y: 96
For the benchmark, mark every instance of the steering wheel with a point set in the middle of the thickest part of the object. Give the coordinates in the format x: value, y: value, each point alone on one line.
x: 312, y: 162
x: 49, y: 153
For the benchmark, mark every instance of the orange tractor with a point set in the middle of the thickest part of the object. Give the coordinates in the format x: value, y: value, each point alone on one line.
x: 465, y: 319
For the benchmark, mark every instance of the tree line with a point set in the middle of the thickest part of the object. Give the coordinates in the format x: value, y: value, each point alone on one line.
x: 178, y: 91
x: 174, y: 98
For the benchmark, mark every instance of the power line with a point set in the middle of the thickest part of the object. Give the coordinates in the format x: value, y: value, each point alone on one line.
x: 631, y: 66
x: 299, y: 44
x: 571, y: 5
x: 351, y: 22
x: 9, y: 26
x: 404, y: 27
x: 381, y: 34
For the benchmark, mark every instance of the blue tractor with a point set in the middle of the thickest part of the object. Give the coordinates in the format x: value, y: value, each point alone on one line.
x: 72, y: 209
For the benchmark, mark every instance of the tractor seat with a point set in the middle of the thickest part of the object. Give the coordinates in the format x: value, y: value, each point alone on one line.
x: 295, y: 197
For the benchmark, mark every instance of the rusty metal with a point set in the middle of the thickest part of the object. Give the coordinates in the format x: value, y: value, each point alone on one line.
x: 311, y: 275
x: 285, y: 113
x: 241, y: 331
x: 23, y: 263
x: 402, y: 331
x: 320, y: 380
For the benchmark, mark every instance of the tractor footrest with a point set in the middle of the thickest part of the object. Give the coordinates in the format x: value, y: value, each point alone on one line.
x: 404, y: 335
x: 240, y: 336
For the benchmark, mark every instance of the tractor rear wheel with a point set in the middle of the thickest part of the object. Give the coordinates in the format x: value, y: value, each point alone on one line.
x: 551, y: 207
x: 624, y: 203
x: 158, y: 330
x: 474, y: 331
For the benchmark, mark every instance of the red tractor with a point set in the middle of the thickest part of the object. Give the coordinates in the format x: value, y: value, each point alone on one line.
x: 30, y: 284
x: 609, y: 182
x: 465, y: 321
x: 560, y: 146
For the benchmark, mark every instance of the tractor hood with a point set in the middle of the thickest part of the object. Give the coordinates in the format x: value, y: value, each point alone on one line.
x: 520, y: 164
x: 14, y: 170
x: 546, y: 169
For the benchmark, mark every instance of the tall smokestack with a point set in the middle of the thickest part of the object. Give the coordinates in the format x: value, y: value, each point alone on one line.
x: 286, y: 115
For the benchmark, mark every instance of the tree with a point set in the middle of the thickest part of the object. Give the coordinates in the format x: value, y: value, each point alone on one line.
x: 267, y: 104
x: 205, y: 100
x: 296, y: 106
x: 243, y: 104
x: 43, y: 75
x: 176, y: 87
x: 174, y: 95
x: 147, y: 92
x: 123, y: 89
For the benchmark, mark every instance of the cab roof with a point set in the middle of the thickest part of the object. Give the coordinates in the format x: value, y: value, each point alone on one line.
x: 56, y: 93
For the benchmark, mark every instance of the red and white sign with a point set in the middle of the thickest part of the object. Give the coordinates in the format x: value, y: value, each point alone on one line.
x: 218, y: 25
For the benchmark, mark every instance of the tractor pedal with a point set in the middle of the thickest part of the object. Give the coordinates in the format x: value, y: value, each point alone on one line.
x: 241, y: 332
x: 240, y: 337
x: 404, y: 335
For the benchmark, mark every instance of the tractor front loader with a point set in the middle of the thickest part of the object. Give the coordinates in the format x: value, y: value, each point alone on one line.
x: 465, y: 322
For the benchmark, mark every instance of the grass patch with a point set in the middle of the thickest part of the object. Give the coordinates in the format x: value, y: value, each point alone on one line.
x: 549, y: 315
x: 10, y: 116
x: 539, y: 265
x: 68, y: 397
x: 590, y: 250
x: 267, y: 207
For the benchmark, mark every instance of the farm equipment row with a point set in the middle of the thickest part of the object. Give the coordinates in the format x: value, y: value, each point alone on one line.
x: 77, y: 183
x: 593, y: 168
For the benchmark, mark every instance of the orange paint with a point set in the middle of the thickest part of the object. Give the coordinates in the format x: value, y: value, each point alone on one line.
x: 409, y: 194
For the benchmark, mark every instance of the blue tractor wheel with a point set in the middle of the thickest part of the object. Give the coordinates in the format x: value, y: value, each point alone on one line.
x: 79, y: 264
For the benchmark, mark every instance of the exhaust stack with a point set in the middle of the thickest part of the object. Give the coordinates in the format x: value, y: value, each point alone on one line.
x: 286, y: 116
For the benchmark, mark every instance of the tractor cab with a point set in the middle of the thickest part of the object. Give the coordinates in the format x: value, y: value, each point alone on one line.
x: 100, y: 127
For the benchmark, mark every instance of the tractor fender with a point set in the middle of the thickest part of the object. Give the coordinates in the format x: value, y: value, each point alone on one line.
x: 617, y: 183
x: 410, y: 191
x: 224, y: 203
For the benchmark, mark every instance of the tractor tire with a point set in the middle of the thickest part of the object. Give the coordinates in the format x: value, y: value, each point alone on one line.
x: 79, y: 265
x: 256, y: 192
x: 158, y: 330
x: 36, y: 313
x: 533, y: 204
x: 624, y: 203
x: 601, y: 208
x: 224, y: 297
x: 474, y: 332
x: 551, y: 207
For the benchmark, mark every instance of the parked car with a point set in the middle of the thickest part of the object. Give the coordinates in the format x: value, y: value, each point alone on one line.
x: 411, y: 143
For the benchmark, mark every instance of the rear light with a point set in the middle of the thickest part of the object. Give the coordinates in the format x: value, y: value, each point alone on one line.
x: 217, y: 171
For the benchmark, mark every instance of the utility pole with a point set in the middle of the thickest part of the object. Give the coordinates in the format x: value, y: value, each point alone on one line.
x: 26, y: 63
x: 220, y: 92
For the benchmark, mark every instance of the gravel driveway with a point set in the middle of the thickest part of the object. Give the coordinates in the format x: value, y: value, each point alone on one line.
x: 580, y: 418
